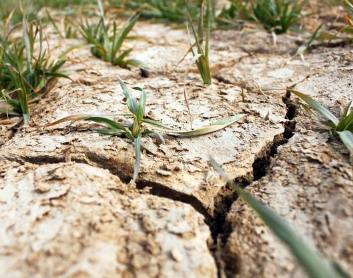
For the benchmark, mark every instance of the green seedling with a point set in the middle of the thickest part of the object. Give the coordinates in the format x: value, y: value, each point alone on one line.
x: 142, y: 126
x: 342, y: 126
x: 26, y: 74
x: 109, y: 47
x: 202, y: 52
x: 315, y: 265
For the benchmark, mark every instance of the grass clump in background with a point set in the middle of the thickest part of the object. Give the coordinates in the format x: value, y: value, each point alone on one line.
x: 277, y: 16
x: 107, y: 40
x: 26, y: 74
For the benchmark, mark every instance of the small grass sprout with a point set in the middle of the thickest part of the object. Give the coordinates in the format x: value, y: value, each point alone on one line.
x: 202, y: 52
x: 142, y: 126
x: 26, y: 74
x: 342, y: 126
x: 314, y: 264
x: 107, y: 44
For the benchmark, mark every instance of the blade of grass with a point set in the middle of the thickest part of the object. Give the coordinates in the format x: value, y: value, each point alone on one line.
x: 347, y: 138
x: 201, y: 131
x: 130, y: 100
x: 317, y: 106
x: 118, y: 42
x: 137, y: 142
x: 27, y: 41
x: 142, y: 106
x: 208, y: 30
x: 86, y: 117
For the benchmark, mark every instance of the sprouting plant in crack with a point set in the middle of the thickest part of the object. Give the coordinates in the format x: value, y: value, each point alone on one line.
x: 343, y: 126
x: 107, y: 43
x: 202, y: 52
x: 142, y: 126
x: 314, y: 264
x: 27, y: 72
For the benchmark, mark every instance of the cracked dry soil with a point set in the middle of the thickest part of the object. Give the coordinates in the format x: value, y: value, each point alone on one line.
x: 66, y: 207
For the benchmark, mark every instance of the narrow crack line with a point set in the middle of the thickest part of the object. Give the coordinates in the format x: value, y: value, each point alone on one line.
x: 92, y: 159
x: 164, y: 191
x: 227, y: 263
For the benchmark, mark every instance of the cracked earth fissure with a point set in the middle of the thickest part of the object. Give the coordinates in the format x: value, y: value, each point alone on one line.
x: 228, y: 265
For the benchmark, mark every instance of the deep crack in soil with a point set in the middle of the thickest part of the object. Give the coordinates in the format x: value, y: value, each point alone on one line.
x: 228, y: 265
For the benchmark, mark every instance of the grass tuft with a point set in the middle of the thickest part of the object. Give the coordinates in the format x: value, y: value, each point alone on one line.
x: 274, y: 15
x: 107, y: 40
x: 26, y: 74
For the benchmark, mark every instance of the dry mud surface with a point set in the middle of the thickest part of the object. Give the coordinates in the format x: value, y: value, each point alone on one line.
x: 67, y: 209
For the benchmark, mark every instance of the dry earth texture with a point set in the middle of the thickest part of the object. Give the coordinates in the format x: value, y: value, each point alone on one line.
x: 66, y: 207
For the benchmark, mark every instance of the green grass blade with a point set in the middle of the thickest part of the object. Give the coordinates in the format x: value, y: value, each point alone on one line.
x: 27, y: 41
x: 109, y: 123
x: 346, y: 120
x: 109, y: 132
x: 137, y: 143
x: 208, y: 30
x: 347, y: 139
x: 67, y: 51
x: 130, y: 100
x: 201, y: 131
x: 204, y: 69
x: 88, y: 117
x: 309, y: 43
x: 11, y: 112
x: 317, y: 106
x: 142, y: 106
x: 153, y: 123
x: 311, y: 261
x: 119, y: 61
x: 137, y: 63
x: 101, y: 9
x: 200, y: 30
x: 197, y: 40
x: 119, y: 39
x: 53, y: 23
